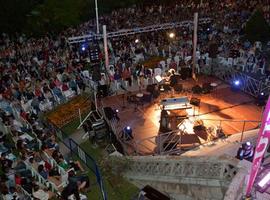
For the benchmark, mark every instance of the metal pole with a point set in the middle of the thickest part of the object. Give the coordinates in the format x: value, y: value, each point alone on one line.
x: 243, y: 131
x: 95, y: 96
x: 80, y: 116
x: 97, y: 21
x: 195, y: 39
x: 105, y: 43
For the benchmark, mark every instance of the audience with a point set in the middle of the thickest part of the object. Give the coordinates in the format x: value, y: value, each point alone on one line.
x: 38, y: 74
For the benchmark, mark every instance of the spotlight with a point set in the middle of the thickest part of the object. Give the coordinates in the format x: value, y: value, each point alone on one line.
x: 236, y: 82
x: 171, y: 35
x: 235, y: 86
x: 261, y: 99
x: 127, y: 133
x: 137, y: 41
x: 117, y: 111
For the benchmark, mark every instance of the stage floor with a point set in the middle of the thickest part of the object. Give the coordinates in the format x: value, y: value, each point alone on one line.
x: 222, y: 104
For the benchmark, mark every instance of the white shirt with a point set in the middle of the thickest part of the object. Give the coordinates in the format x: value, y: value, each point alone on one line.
x: 41, y: 195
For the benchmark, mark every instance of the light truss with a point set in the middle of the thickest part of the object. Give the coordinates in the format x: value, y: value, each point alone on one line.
x: 125, y: 32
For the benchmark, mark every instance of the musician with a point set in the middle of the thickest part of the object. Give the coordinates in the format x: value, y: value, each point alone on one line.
x: 173, y: 79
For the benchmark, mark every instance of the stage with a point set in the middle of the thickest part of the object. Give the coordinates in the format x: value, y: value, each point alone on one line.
x: 233, y: 111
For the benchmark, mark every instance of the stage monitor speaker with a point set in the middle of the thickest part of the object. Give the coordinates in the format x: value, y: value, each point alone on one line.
x: 197, y: 89
x: 195, y: 101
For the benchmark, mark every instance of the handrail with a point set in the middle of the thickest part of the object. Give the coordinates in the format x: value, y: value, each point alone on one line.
x: 231, y: 120
x: 23, y: 191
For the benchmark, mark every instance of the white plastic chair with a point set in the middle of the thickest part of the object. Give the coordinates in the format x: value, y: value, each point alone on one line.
x: 163, y: 64
x: 168, y: 62
x: 230, y: 62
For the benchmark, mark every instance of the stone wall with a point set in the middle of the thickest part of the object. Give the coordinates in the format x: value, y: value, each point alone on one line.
x: 198, y: 178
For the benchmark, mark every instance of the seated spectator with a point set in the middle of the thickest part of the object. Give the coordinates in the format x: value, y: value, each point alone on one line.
x: 40, y: 193
x: 52, y: 144
x: 69, y: 165
x: 43, y: 172
x: 71, y: 189
x: 82, y: 180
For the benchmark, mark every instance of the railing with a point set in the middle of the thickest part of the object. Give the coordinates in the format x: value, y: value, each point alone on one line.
x: 170, y: 143
x: 237, y: 126
x: 116, y: 129
x: 248, y: 84
x: 75, y: 149
x: 90, y: 163
x: 27, y: 196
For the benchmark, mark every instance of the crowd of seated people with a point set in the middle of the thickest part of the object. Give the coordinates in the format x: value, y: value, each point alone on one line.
x: 31, y: 162
x: 38, y: 74
x: 46, y: 71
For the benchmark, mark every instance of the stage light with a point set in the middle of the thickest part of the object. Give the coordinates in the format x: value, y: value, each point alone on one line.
x: 83, y: 47
x: 117, y: 111
x: 127, y: 133
x: 236, y: 82
x: 171, y: 35
x: 137, y: 41
x: 261, y: 99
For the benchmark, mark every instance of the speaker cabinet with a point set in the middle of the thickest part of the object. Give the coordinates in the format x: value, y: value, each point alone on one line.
x: 195, y: 101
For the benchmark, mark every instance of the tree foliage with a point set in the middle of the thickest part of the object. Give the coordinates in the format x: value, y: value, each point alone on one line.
x: 54, y: 16
x: 37, y: 17
x: 257, y: 29
x: 13, y: 14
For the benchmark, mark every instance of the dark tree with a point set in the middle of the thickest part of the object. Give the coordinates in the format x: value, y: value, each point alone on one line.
x: 257, y: 29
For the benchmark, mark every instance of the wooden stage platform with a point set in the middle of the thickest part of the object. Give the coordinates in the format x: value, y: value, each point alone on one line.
x: 223, y: 107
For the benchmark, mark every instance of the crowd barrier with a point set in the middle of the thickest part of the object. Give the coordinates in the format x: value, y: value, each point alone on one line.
x: 90, y: 163
x: 87, y: 160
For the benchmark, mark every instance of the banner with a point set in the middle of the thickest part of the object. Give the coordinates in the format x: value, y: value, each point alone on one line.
x: 262, y: 144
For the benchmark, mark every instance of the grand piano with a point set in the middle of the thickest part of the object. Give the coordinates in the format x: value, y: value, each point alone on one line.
x: 177, y: 103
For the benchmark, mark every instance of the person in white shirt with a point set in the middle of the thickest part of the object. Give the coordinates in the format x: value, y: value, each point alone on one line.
x: 40, y: 194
